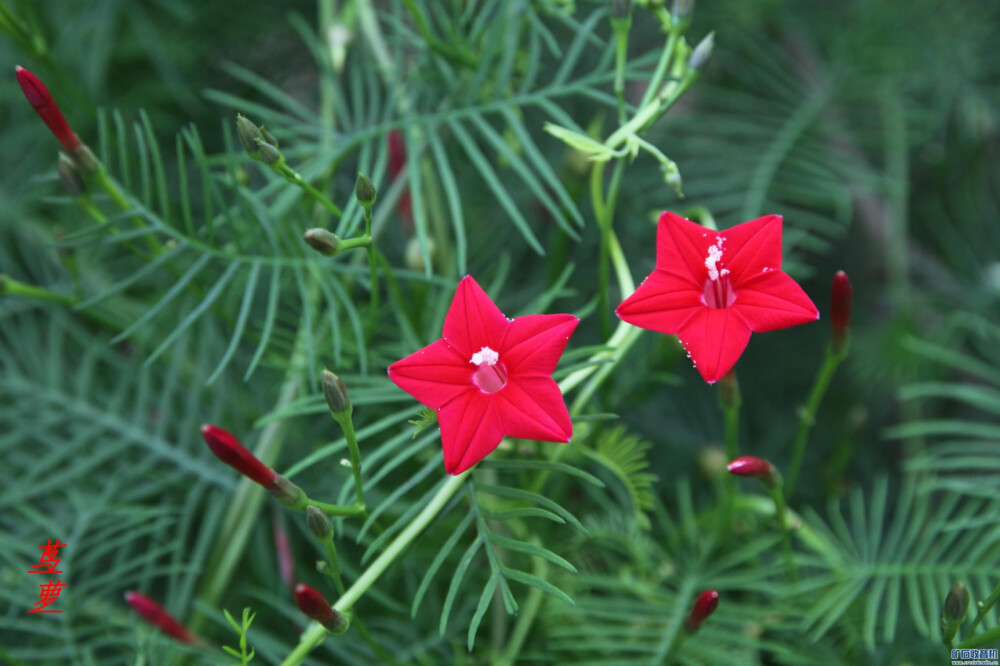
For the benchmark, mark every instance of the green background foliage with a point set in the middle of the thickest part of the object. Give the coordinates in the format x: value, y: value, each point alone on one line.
x: 871, y: 126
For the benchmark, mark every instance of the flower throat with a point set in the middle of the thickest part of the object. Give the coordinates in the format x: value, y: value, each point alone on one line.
x: 718, y: 291
x: 490, y: 375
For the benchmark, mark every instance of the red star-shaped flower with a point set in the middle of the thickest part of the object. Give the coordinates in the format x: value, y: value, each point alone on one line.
x: 713, y: 288
x: 489, y: 377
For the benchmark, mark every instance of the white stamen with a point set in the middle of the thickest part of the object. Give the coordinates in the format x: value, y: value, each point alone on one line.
x: 713, y: 258
x: 485, y: 355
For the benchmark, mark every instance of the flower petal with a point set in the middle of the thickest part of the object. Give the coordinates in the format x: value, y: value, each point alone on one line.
x: 752, y: 248
x: 534, y: 408
x: 534, y: 343
x: 715, y: 338
x: 682, y: 247
x: 470, y: 430
x: 773, y: 301
x: 663, y: 302
x: 434, y: 375
x: 473, y: 320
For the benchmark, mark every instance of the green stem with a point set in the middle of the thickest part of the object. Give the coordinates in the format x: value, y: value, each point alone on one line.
x: 730, y: 401
x: 780, y: 509
x: 618, y: 345
x: 985, y: 638
x: 731, y: 416
x: 315, y: 633
x: 662, y: 65
x: 604, y: 212
x: 651, y: 112
x: 326, y: 12
x: 337, y: 509
x: 296, y: 178
x: 807, y: 417
x: 90, y: 209
x: 11, y: 287
x: 621, y: 27
x: 347, y: 425
x: 102, y: 180
x: 331, y: 554
x: 345, y: 244
x: 984, y: 609
x: 373, y: 274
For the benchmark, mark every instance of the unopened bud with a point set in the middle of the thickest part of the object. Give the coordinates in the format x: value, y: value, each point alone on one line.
x: 249, y: 134
x: 46, y: 108
x: 312, y: 603
x: 318, y: 523
x: 681, y: 11
x: 704, y: 605
x: 672, y: 177
x: 270, y: 138
x: 702, y: 53
x: 269, y: 155
x: 365, y: 191
x: 323, y: 241
x: 956, y: 604
x: 229, y: 450
x: 158, y: 616
x: 336, y: 393
x: 841, y: 299
x: 70, y: 176
x: 757, y: 468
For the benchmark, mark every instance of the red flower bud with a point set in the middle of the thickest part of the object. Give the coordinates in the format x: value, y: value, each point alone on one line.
x: 157, y: 616
x: 39, y: 97
x: 757, y: 468
x: 841, y: 297
x: 704, y: 605
x: 312, y: 603
x: 229, y: 450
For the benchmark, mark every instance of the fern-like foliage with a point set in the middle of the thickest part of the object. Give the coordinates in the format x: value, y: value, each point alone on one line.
x: 961, y: 453
x: 102, y: 407
x: 625, y: 456
x: 498, y: 515
x: 630, y: 610
x: 893, y: 564
x: 241, y: 628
